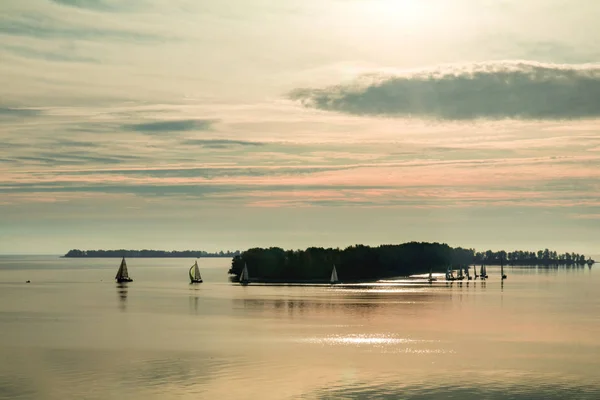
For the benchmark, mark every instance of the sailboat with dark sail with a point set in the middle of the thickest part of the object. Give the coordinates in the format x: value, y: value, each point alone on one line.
x: 483, y: 272
x: 194, y: 273
x: 244, y: 277
x: 122, y: 273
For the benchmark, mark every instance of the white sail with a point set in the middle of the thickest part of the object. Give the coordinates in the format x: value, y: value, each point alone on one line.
x: 245, y: 277
x: 334, y: 276
x: 197, y: 271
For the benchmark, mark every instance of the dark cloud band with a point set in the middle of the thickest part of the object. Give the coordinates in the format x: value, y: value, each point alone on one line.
x: 515, y: 90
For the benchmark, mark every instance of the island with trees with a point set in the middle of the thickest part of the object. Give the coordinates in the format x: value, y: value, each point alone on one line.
x: 365, y: 263
x: 148, y: 253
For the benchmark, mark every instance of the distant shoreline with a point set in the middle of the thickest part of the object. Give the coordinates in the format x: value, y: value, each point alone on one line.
x: 360, y: 263
x: 129, y: 256
x: 76, y: 253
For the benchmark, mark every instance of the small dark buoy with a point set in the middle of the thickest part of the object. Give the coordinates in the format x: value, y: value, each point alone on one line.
x: 28, y: 282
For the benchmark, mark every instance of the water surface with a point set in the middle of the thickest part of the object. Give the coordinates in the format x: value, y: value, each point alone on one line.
x: 73, y: 333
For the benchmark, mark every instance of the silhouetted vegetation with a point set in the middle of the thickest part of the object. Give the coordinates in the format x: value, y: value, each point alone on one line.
x: 149, y: 253
x: 366, y: 263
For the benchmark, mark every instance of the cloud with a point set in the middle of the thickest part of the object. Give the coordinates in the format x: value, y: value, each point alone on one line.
x: 495, y: 90
x: 19, y: 112
x: 95, y: 5
x: 64, y: 55
x: 172, y: 126
x: 220, y: 143
x: 35, y: 25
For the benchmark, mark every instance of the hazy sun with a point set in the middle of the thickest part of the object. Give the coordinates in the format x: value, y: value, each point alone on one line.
x: 401, y: 11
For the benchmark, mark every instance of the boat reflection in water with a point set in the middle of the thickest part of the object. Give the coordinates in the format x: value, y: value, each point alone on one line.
x: 122, y: 290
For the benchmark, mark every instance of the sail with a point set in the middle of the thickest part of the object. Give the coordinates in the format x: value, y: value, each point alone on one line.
x: 122, y: 273
x: 481, y: 271
x: 195, y: 272
x: 334, y: 277
x: 244, y: 277
x: 430, y: 274
x: 501, y: 267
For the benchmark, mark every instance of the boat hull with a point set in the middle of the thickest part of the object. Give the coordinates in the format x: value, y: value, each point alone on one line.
x: 196, y: 281
x: 124, y: 280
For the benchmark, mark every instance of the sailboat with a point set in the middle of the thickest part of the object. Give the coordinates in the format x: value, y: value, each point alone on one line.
x: 502, y: 269
x: 195, y: 273
x: 244, y: 278
x: 449, y: 274
x: 122, y: 273
x: 475, y: 271
x: 460, y: 276
x: 431, y: 278
x: 334, y: 278
x: 469, y: 277
x: 483, y: 272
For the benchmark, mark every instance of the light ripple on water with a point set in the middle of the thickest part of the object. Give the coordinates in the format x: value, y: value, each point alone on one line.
x: 503, y: 386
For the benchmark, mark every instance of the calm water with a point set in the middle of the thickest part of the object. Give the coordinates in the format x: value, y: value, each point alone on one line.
x: 74, y: 333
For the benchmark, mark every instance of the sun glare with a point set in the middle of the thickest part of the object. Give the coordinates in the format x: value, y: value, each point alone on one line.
x: 400, y: 11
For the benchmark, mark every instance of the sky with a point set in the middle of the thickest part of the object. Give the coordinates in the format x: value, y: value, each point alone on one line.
x: 229, y: 124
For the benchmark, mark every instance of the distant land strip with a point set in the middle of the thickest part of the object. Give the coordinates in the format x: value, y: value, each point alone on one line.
x: 363, y: 263
x: 75, y: 253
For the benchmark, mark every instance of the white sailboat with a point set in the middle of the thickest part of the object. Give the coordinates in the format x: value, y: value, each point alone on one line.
x: 483, y: 272
x: 334, y: 276
x: 431, y: 278
x: 245, y: 277
x: 469, y: 277
x: 449, y: 274
x: 122, y: 273
x: 194, y: 273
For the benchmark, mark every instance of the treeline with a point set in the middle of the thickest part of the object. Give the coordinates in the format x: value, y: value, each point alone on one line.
x: 364, y: 262
x: 149, y: 253
x: 541, y: 257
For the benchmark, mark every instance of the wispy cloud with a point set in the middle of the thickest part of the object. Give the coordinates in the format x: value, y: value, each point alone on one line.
x: 220, y: 143
x: 19, y: 112
x: 100, y: 5
x: 65, y: 55
x: 43, y: 26
x: 172, y: 126
x: 495, y: 90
